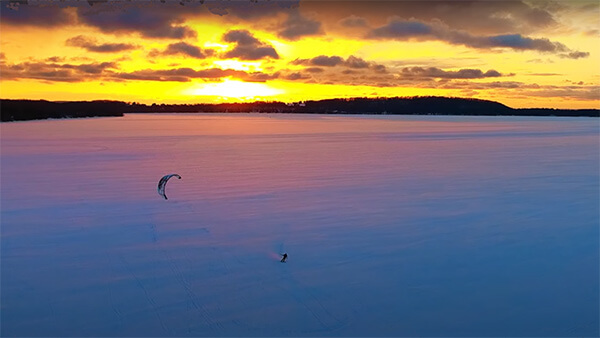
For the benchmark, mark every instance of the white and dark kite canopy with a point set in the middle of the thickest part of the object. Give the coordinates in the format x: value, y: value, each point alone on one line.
x: 162, y: 184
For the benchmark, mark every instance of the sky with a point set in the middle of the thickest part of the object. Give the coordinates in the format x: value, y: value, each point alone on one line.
x: 520, y: 53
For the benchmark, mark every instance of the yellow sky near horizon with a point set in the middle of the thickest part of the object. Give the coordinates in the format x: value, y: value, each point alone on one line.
x: 39, y: 62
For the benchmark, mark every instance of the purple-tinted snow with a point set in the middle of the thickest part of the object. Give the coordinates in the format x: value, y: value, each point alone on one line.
x: 394, y: 226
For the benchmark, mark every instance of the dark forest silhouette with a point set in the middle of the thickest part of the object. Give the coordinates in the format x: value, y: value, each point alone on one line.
x: 19, y: 110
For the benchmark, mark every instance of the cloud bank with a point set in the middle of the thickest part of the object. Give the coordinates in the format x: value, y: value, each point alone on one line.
x: 399, y: 29
x: 183, y: 48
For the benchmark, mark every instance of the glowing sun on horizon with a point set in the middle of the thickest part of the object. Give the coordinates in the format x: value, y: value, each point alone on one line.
x: 234, y: 89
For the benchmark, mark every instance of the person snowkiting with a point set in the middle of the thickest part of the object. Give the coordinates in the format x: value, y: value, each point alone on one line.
x: 283, y: 258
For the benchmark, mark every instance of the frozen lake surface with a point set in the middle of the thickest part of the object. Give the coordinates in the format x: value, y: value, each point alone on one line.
x: 394, y: 226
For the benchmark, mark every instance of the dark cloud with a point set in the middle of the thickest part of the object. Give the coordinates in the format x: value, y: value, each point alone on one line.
x: 332, y: 61
x: 55, y: 59
x: 314, y: 70
x: 397, y: 29
x: 95, y: 68
x: 297, y: 76
x: 515, y: 41
x: 251, y: 53
x: 404, y: 30
x: 54, y: 71
x: 217, y: 9
x: 574, y: 55
x: 154, y: 53
x: 187, y: 49
x: 326, y: 61
x: 242, y: 37
x: 356, y: 62
x: 35, y: 15
x: 150, y: 20
x: 259, y: 77
x: 92, y: 45
x: 353, y: 21
x: 297, y: 26
x: 248, y: 47
x: 433, y: 72
x: 379, y: 68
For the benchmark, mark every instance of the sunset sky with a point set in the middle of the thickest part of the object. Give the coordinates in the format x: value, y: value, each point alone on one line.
x: 520, y: 53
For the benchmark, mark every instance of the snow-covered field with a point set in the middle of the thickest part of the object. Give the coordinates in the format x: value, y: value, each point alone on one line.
x: 394, y: 226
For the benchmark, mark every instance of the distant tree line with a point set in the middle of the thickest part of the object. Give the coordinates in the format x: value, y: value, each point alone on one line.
x: 15, y: 110
x: 20, y: 110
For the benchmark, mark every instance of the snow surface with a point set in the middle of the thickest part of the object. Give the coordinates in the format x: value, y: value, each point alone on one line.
x: 394, y: 226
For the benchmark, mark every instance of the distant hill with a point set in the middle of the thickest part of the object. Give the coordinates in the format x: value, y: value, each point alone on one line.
x: 17, y: 110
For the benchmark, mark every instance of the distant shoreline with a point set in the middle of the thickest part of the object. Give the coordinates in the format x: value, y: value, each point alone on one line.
x: 25, y: 110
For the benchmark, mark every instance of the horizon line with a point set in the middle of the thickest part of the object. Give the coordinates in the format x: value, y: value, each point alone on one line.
x: 298, y: 101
